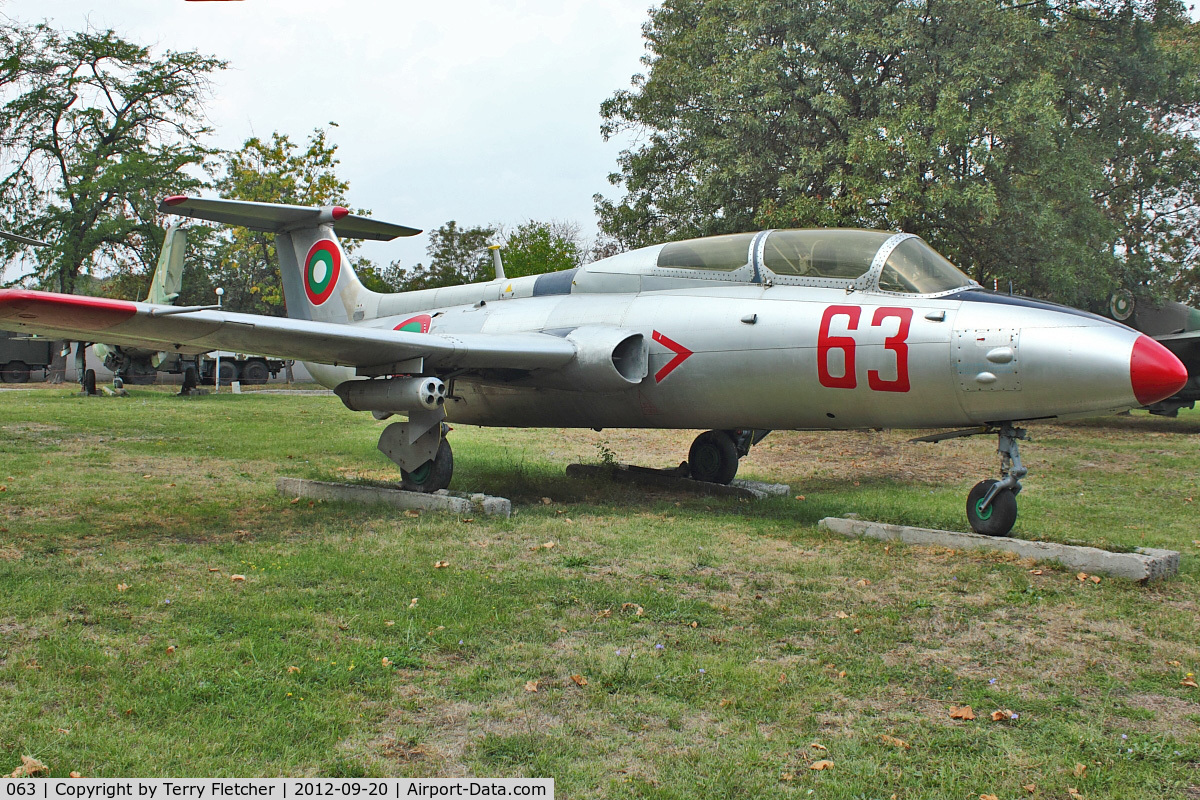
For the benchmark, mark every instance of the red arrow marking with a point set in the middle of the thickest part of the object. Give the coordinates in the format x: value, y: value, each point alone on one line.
x: 681, y: 355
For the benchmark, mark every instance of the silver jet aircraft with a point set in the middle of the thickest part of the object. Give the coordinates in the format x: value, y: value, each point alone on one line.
x: 738, y: 334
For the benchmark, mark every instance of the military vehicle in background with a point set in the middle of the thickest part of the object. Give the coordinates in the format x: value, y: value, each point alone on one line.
x: 1175, y: 326
x: 21, y: 355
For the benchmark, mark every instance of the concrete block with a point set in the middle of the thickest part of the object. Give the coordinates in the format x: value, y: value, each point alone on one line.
x: 672, y: 479
x: 1143, y: 565
x: 454, y: 502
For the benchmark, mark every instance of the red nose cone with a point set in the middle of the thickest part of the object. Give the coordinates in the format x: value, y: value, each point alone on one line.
x: 1154, y: 371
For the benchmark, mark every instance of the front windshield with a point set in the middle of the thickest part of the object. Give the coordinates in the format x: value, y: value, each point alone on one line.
x: 916, y: 268
x: 832, y: 253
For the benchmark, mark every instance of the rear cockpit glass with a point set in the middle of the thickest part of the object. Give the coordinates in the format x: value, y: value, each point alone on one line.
x: 721, y: 253
x: 916, y: 268
x: 822, y: 253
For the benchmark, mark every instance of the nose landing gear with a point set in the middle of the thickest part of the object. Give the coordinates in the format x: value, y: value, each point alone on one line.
x: 992, y: 505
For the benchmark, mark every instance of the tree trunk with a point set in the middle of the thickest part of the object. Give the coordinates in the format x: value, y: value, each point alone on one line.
x: 58, y: 365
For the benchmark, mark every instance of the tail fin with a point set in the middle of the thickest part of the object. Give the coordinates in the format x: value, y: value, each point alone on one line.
x: 318, y: 282
x: 168, y: 275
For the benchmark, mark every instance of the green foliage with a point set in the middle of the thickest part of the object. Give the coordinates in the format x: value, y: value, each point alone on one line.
x: 1043, y: 143
x: 93, y: 131
x: 273, y: 170
x: 536, y: 247
x: 456, y: 256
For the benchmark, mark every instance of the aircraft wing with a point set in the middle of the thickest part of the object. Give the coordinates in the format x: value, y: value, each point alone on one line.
x: 172, y: 329
x: 278, y: 217
x: 1185, y: 346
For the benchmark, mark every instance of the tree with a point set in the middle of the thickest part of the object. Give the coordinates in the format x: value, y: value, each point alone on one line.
x: 94, y: 130
x: 1043, y: 142
x: 456, y: 256
x: 272, y: 170
x: 536, y: 247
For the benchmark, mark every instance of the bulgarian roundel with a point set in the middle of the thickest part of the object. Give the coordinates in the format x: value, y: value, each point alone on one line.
x: 417, y: 324
x: 322, y: 268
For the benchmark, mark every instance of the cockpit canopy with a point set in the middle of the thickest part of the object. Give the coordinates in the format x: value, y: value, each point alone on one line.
x: 876, y: 260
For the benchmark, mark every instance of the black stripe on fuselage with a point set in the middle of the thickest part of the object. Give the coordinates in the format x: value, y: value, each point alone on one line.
x: 988, y: 296
x: 554, y: 283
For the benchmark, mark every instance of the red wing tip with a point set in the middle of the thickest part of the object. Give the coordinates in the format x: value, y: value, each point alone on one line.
x: 175, y: 199
x: 339, y: 212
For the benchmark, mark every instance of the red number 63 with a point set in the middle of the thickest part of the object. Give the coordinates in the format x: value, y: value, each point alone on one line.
x: 847, y: 344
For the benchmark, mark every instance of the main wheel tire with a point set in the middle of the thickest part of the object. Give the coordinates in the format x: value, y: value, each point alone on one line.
x: 191, y: 379
x: 998, y: 518
x: 433, y: 475
x: 713, y: 458
x: 89, y: 382
x: 15, y: 372
x: 255, y: 372
x: 228, y: 373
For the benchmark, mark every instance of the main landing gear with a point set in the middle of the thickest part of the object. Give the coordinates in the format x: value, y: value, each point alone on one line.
x: 714, y: 455
x: 992, y: 505
x: 420, y: 449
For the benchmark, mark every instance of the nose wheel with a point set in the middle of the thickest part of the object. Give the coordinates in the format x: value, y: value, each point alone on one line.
x: 992, y: 504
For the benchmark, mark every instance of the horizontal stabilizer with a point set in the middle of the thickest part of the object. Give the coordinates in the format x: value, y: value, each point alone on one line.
x: 280, y: 218
x: 23, y: 239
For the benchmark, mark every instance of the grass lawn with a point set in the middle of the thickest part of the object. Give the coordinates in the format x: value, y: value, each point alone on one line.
x: 679, y: 646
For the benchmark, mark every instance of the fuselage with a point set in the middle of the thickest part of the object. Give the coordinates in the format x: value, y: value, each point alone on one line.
x: 755, y: 350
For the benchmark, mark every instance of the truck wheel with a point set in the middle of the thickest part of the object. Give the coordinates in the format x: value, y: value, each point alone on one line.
x: 229, y: 372
x: 255, y: 372
x: 15, y: 372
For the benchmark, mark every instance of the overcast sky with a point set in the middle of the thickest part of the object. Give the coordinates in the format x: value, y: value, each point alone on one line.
x: 481, y: 112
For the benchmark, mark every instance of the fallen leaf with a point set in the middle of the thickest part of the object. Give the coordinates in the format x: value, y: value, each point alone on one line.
x: 694, y: 624
x: 961, y: 712
x: 293, y: 670
x: 1094, y: 579
x: 468, y: 519
x: 441, y: 564
x: 171, y: 649
x: 568, y: 520
x: 842, y: 674
x: 783, y: 677
x: 988, y: 797
x: 30, y: 766
x: 822, y: 764
x: 122, y: 587
x: 214, y: 569
x: 1189, y: 681
x: 411, y: 513
x: 389, y: 622
x: 531, y: 686
x: 548, y: 546
x: 1081, y: 577
x: 1001, y: 714
x: 724, y: 702
x: 863, y: 582
x: 893, y: 741
x: 605, y: 614
x: 639, y: 611
x: 387, y: 662
x: 297, y: 500
x: 237, y: 578
x: 579, y: 680
x: 146, y: 475
x: 1030, y: 787
x: 1036, y: 572
x: 75, y: 774
x: 1071, y: 790
x: 1174, y: 663
x: 858, y: 630
x: 64, y: 730
x: 546, y: 501
x: 842, y: 615
x: 800, y: 497
x: 1080, y: 771
x: 787, y: 776
x: 818, y: 746
x: 413, y: 603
